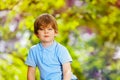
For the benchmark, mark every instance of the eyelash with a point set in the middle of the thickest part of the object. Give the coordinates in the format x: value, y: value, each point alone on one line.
x: 50, y: 29
x: 41, y: 29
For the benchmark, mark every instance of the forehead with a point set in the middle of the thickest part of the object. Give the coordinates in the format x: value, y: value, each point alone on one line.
x: 47, y: 26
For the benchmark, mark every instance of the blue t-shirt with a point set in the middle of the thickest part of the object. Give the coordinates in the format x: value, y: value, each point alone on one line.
x: 49, y: 60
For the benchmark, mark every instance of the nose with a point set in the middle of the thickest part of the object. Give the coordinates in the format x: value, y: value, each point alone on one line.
x: 45, y: 31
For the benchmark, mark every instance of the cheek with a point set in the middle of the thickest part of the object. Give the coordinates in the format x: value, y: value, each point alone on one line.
x: 39, y: 35
x: 54, y: 34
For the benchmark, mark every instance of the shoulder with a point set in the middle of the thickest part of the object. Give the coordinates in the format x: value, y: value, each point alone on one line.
x: 34, y: 50
x: 35, y: 47
x: 61, y: 47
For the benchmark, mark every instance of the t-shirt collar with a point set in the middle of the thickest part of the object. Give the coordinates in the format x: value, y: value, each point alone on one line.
x: 51, y: 47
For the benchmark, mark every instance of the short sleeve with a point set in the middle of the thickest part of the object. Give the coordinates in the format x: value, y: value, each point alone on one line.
x: 64, y: 55
x: 31, y: 61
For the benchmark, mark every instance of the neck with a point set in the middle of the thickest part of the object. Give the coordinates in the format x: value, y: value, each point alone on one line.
x: 47, y: 44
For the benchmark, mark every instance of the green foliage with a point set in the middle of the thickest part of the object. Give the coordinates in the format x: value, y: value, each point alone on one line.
x: 11, y: 68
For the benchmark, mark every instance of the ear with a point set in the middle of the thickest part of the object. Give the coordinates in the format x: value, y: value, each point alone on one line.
x: 56, y: 33
x: 37, y: 35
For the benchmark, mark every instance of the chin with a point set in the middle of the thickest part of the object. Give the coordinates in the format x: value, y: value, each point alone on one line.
x: 47, y: 41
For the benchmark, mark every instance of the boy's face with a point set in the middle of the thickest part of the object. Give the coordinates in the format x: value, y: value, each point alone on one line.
x: 46, y: 34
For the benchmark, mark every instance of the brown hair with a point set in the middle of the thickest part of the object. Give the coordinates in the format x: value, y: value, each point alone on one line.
x: 45, y: 20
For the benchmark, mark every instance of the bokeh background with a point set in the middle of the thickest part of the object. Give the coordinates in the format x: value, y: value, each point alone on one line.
x: 90, y: 29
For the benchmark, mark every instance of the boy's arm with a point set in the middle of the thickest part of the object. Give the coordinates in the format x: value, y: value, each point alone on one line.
x: 31, y: 73
x: 66, y: 71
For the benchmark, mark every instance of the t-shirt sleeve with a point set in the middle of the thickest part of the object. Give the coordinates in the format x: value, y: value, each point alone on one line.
x: 30, y: 61
x: 64, y: 56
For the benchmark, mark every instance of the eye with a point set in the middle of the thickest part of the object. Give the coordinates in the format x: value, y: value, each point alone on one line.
x: 50, y: 28
x: 41, y: 29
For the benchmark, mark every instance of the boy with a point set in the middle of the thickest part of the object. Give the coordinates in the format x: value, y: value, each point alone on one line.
x: 52, y: 59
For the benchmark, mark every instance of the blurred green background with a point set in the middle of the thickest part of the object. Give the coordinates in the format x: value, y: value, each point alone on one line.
x: 90, y: 29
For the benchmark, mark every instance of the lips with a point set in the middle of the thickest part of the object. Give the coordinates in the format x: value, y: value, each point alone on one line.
x: 46, y: 36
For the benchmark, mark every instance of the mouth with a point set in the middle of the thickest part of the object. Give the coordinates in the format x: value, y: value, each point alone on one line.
x: 46, y: 36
